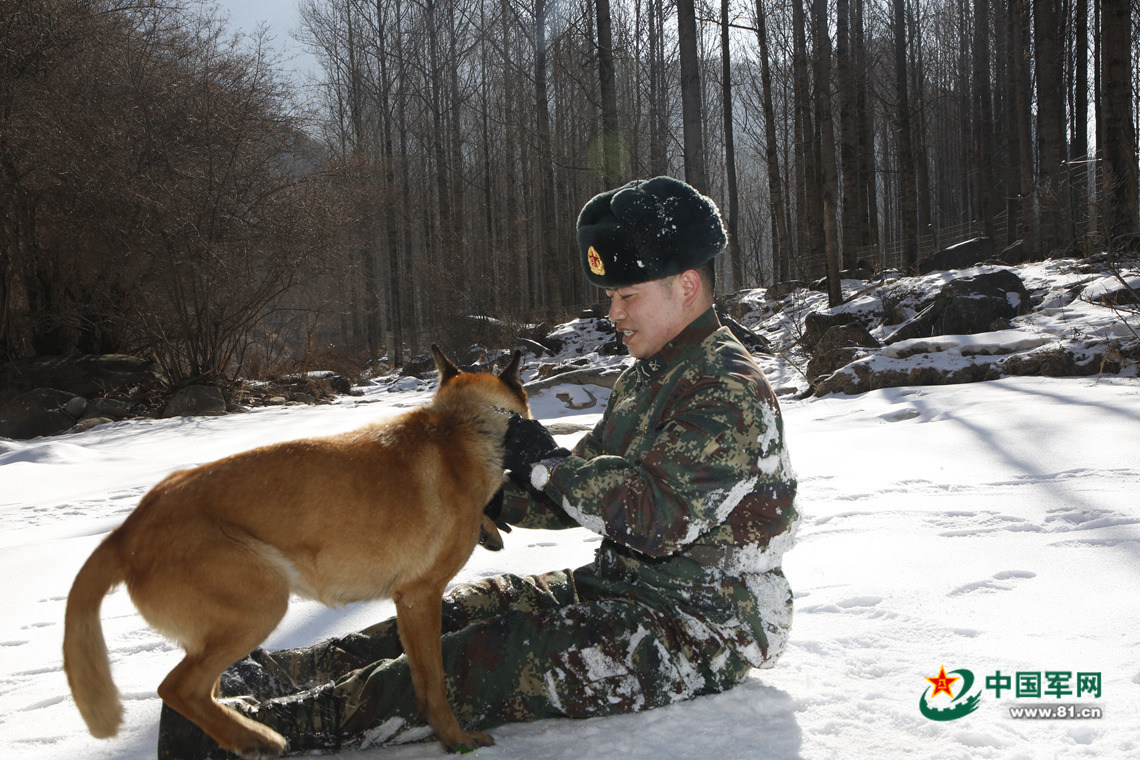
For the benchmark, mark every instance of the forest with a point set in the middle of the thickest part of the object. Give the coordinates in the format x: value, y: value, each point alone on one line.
x: 169, y: 192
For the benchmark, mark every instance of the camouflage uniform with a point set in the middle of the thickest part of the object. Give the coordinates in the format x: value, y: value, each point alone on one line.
x: 687, y: 479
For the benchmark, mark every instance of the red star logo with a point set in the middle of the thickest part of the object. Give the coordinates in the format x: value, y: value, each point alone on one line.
x: 595, y: 261
x: 942, y: 683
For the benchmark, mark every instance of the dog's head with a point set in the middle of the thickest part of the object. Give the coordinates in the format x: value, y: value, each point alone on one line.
x: 504, y: 390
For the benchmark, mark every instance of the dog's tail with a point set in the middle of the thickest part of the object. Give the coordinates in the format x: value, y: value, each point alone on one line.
x: 85, y: 657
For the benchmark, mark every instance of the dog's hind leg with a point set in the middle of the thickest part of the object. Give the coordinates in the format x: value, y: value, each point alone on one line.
x: 229, y: 624
x: 419, y: 620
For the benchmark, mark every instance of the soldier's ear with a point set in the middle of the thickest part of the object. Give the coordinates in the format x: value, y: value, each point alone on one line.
x: 690, y: 282
x: 443, y: 365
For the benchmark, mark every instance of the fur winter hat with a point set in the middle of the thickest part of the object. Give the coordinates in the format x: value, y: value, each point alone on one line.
x: 647, y: 230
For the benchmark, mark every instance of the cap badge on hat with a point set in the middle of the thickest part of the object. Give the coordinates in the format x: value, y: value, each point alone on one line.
x: 596, y: 265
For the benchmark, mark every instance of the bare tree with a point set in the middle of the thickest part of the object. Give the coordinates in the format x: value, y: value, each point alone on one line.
x: 731, y: 190
x: 695, y: 172
x: 822, y: 87
x: 903, y: 130
x: 781, y: 254
x: 1115, y: 107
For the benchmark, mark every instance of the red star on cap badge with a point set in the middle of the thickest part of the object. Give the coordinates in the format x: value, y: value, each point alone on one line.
x: 595, y: 261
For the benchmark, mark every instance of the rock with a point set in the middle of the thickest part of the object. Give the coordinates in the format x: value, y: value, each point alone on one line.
x: 419, y: 366
x: 602, y: 376
x: 196, y: 401
x: 75, y: 407
x: 844, y: 336
x: 113, y: 409
x: 1014, y: 253
x: 36, y: 413
x: 781, y: 289
x: 340, y: 385
x: 82, y: 375
x: 837, y: 347
x: 959, y: 256
x: 1059, y: 362
x: 613, y: 347
x: 861, y: 271
x: 87, y: 423
x: 967, y: 306
x: 824, y: 364
x: 970, y: 305
x: 860, y: 377
x: 534, y: 347
x: 819, y: 322
x: 473, y: 359
x: 756, y: 344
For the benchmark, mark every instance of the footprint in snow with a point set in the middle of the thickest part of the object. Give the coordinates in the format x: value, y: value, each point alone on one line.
x: 900, y: 415
x: 1006, y: 580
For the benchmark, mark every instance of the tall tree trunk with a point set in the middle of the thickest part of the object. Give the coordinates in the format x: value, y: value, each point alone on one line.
x: 1079, y: 142
x: 547, y: 222
x: 730, y: 152
x: 919, y: 131
x: 808, y: 176
x: 1115, y: 102
x: 691, y: 111
x: 384, y: 48
x: 658, y: 128
x: 827, y: 150
x: 1023, y: 87
x: 906, y: 153
x: 455, y: 172
x: 369, y: 275
x: 1011, y: 165
x: 983, y: 137
x: 610, y: 142
x: 781, y: 246
x: 849, y: 134
x: 869, y: 206
x: 440, y: 243
x: 1050, y: 125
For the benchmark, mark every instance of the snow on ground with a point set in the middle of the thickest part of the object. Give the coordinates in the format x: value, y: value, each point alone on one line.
x: 992, y: 528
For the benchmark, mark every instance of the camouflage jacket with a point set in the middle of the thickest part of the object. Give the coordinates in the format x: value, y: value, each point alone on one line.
x: 687, y: 478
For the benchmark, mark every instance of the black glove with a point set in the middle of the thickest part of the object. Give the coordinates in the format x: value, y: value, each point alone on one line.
x: 527, y: 442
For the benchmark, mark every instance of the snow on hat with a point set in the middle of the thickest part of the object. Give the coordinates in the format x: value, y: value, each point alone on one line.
x: 646, y: 230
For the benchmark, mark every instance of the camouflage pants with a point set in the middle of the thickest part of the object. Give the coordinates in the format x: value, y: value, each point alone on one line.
x: 561, y: 644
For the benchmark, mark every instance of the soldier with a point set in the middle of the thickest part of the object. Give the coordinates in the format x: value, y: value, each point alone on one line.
x: 686, y: 478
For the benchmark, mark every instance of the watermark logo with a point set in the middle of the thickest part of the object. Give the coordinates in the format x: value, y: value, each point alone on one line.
x: 952, y: 695
x: 961, y: 704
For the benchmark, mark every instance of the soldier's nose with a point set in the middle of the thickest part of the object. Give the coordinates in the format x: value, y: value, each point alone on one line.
x: 616, y: 312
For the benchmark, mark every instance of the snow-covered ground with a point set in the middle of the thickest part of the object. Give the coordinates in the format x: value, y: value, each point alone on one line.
x: 992, y: 528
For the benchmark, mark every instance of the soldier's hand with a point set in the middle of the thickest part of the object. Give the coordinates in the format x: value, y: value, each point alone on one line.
x: 527, y: 442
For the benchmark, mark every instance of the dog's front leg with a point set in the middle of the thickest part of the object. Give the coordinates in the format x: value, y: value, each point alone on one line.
x: 419, y: 620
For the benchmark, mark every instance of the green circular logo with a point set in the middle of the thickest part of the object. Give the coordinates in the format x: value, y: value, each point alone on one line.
x: 961, y: 705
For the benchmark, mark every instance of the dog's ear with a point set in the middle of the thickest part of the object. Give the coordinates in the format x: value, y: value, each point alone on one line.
x: 511, y: 373
x: 443, y: 365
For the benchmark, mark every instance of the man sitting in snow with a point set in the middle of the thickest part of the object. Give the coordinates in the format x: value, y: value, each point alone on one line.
x: 686, y: 478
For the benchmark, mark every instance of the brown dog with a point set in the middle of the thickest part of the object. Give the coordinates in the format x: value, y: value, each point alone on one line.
x: 211, y: 555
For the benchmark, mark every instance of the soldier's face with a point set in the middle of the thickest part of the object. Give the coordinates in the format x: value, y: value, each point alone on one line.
x: 649, y: 315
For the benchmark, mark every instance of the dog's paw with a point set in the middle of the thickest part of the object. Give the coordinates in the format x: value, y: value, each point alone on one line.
x: 263, y: 747
x: 489, y: 537
x: 470, y: 741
